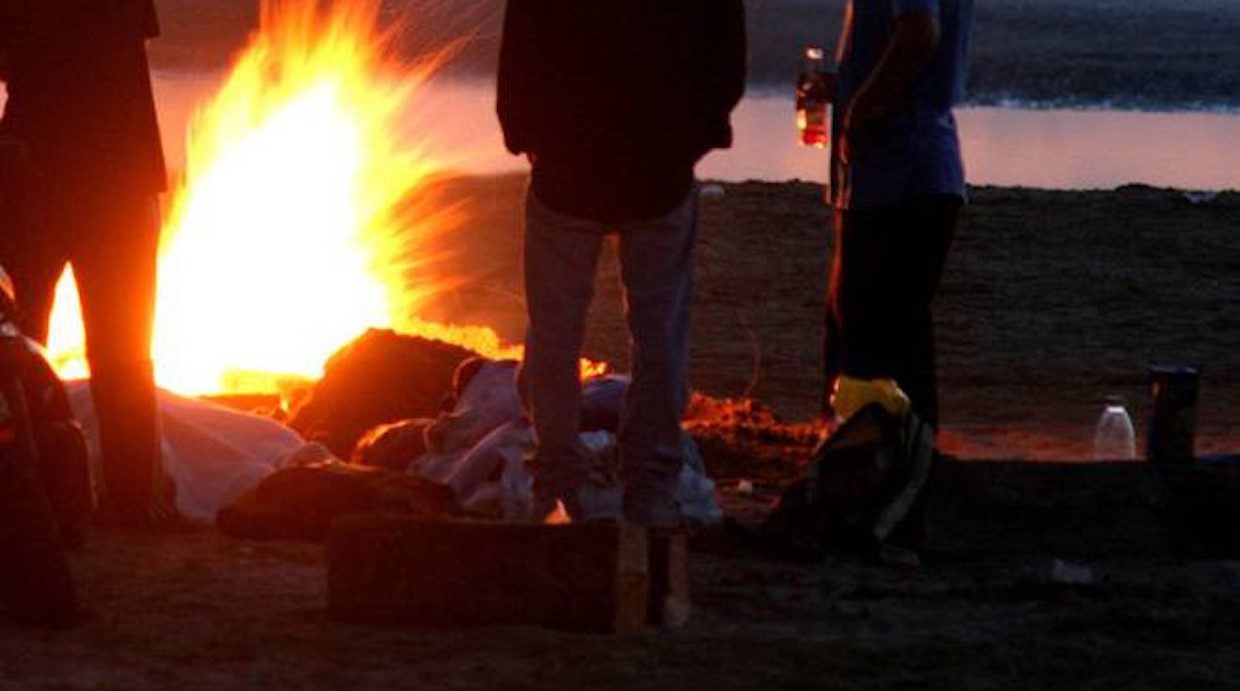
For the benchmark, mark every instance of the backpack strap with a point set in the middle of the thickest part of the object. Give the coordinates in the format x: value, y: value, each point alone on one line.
x: 918, y: 453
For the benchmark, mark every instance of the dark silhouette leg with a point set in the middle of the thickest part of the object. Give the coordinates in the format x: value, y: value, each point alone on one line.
x: 887, y: 267
x: 115, y: 268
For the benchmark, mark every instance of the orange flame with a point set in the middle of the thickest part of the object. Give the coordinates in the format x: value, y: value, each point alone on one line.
x: 301, y: 217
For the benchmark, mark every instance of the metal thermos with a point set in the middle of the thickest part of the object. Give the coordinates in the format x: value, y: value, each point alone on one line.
x: 1173, y: 417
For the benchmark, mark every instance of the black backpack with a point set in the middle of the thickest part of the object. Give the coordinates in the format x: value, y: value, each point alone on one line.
x: 864, y: 481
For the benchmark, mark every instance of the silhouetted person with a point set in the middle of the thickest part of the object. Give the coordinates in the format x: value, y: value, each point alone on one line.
x: 615, y: 101
x: 80, y: 99
x: 36, y: 582
x: 898, y: 185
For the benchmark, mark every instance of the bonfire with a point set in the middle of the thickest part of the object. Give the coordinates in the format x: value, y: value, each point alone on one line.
x: 305, y: 214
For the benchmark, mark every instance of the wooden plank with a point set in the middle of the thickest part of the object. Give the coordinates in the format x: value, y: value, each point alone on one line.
x: 670, y: 605
x: 389, y: 569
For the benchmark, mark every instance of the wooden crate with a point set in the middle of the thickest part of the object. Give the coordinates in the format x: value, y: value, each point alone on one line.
x: 400, y: 570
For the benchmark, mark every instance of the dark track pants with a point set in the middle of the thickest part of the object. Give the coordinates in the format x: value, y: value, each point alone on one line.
x: 111, y: 240
x: 885, y: 272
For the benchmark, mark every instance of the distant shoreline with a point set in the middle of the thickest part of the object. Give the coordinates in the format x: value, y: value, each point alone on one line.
x: 777, y: 89
x: 1160, y: 55
x: 1052, y: 148
x: 1121, y: 104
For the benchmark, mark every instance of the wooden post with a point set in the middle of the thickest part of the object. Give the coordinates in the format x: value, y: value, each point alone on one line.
x: 669, y: 605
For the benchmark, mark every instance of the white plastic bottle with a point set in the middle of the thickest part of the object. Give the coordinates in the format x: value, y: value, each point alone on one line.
x: 1115, y: 439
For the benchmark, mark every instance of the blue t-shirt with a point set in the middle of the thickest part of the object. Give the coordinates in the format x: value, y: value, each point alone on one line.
x: 914, y: 150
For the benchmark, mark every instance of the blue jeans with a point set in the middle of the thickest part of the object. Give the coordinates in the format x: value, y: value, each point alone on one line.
x: 656, y: 262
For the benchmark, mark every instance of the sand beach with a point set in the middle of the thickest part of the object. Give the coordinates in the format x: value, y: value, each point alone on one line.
x: 1037, y: 322
x: 1052, y: 301
x: 1040, y: 571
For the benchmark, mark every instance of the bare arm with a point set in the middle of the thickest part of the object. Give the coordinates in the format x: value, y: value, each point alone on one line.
x: 914, y: 38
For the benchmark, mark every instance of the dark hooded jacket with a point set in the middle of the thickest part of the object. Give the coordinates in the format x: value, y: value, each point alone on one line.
x: 617, y: 100
x: 80, y: 91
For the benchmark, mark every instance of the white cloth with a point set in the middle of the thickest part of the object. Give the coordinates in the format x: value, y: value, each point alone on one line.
x: 481, y: 448
x: 213, y: 454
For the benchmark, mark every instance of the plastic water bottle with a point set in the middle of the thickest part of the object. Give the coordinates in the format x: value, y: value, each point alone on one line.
x: 1115, y: 439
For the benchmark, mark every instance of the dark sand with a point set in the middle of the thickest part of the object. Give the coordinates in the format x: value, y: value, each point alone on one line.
x: 201, y: 611
x: 1051, y: 300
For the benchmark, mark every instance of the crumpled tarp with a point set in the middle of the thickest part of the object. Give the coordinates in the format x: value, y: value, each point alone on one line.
x: 213, y: 454
x: 480, y: 448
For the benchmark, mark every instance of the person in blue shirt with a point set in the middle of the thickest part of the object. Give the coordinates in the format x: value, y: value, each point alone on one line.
x: 897, y: 184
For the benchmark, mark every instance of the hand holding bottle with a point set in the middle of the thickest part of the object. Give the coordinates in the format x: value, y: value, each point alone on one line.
x: 818, y: 86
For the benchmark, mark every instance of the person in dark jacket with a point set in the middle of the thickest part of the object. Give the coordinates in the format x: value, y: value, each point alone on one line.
x: 80, y: 101
x: 614, y: 102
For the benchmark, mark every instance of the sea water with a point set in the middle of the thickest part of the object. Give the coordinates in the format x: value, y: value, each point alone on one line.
x: 1013, y: 146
